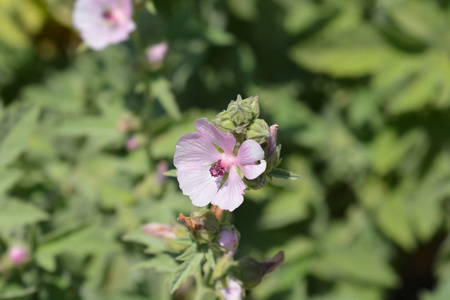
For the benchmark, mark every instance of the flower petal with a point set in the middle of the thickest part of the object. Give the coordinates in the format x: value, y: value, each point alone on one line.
x: 249, y: 153
x: 194, y: 148
x: 253, y: 171
x: 196, y: 182
x: 230, y: 196
x: 223, y: 140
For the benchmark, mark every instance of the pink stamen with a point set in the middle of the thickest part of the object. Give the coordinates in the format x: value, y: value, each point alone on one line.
x: 217, y: 169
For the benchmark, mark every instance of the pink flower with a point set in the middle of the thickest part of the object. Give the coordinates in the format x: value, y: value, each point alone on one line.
x: 233, y: 291
x: 103, y: 22
x: 132, y: 144
x: 156, y: 53
x: 228, y: 239
x: 18, y: 255
x: 208, y: 175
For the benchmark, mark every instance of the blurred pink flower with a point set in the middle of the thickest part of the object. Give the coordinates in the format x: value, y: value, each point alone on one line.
x: 228, y: 239
x: 201, y: 167
x: 103, y: 22
x: 132, y: 143
x: 159, y: 230
x: 161, y: 168
x: 233, y: 291
x: 156, y: 53
x: 18, y: 255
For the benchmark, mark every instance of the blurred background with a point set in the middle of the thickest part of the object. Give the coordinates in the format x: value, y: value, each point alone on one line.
x: 360, y: 90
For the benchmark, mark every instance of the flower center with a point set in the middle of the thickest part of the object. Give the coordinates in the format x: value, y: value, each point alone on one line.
x: 217, y: 169
x: 114, y: 15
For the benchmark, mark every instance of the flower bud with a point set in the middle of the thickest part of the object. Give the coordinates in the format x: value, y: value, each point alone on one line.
x: 18, y: 255
x: 132, y: 143
x: 241, y: 111
x: 203, y: 225
x: 159, y: 230
x: 258, y: 131
x: 272, y: 141
x: 251, y: 272
x: 223, y: 122
x: 228, y: 238
x: 161, y: 168
x: 254, y: 105
x: 233, y: 291
x: 157, y: 53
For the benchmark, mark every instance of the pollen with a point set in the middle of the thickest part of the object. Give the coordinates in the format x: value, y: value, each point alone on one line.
x: 217, y: 169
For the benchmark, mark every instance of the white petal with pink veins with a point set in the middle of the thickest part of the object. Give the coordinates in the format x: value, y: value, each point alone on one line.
x: 249, y: 153
x: 223, y: 140
x: 194, y: 148
x: 196, y: 182
x: 230, y: 195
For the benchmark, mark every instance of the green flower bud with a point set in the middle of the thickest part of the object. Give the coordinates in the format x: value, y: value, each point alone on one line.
x: 254, y: 105
x: 251, y: 272
x: 241, y: 111
x: 258, y: 131
x: 274, y: 160
x: 203, y: 225
x: 223, y: 122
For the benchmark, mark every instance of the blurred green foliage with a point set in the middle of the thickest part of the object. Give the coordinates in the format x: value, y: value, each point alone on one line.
x: 360, y: 90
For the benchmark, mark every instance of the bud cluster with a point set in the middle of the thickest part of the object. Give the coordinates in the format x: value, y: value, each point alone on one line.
x: 242, y: 119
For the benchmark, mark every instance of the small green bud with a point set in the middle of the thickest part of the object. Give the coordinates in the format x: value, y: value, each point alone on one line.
x: 274, y: 160
x: 223, y: 122
x: 254, y: 104
x: 241, y: 111
x: 258, y: 131
x: 251, y: 272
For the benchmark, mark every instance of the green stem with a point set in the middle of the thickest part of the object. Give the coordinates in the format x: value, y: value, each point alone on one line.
x: 225, y: 216
x: 148, y: 103
x: 199, y: 284
x: 208, y: 277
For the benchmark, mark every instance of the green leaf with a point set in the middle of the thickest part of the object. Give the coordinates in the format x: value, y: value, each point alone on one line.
x: 15, y: 129
x: 16, y: 213
x: 18, y: 294
x: 359, y: 265
x: 394, y: 220
x: 188, y: 254
x: 183, y: 271
x: 171, y: 173
x: 162, y: 92
x: 210, y: 258
x: 284, y: 174
x: 160, y: 263
x: 8, y: 177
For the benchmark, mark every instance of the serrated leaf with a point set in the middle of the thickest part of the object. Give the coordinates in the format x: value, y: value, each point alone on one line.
x: 188, y: 254
x: 284, y: 174
x: 210, y: 258
x: 15, y: 128
x: 16, y: 213
x: 183, y: 271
